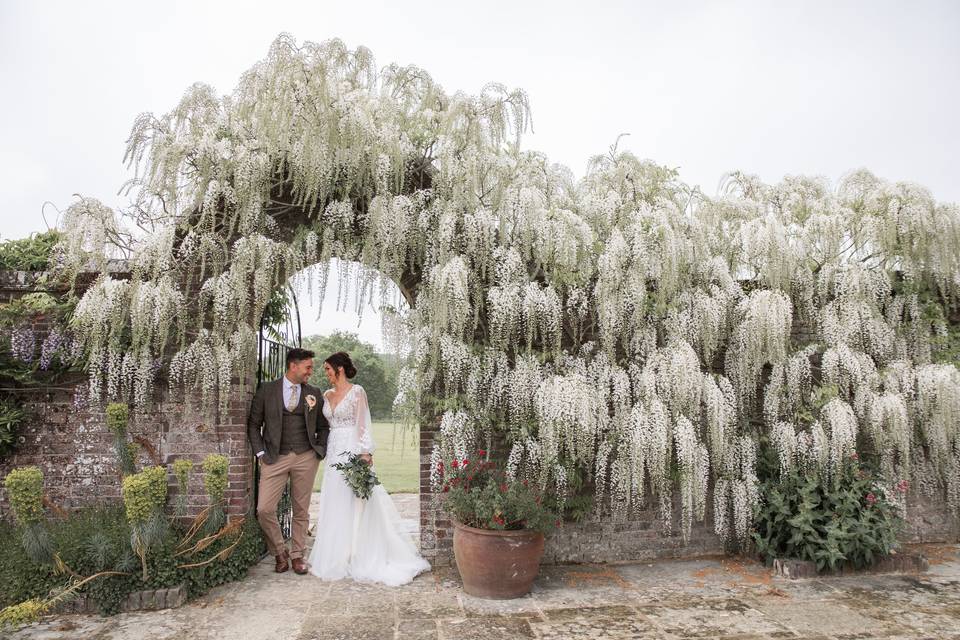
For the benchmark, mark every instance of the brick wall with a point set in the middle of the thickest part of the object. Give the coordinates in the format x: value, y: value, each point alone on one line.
x: 74, y: 449
x: 436, y: 531
x: 640, y: 538
x: 643, y: 537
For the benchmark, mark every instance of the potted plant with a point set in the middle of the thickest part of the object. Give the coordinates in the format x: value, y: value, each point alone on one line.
x: 499, y: 526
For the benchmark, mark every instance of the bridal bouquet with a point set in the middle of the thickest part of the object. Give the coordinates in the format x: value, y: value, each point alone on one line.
x: 359, y: 475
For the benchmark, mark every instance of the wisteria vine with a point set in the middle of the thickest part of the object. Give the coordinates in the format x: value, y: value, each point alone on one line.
x: 623, y: 326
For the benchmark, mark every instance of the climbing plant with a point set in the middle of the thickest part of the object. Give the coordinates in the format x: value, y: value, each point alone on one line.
x: 622, y: 325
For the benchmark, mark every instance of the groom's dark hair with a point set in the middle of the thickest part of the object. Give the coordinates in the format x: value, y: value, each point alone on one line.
x: 296, y: 355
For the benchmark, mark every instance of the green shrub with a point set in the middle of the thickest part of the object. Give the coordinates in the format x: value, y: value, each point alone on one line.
x: 181, y: 470
x: 25, y: 490
x: 245, y: 554
x: 28, y: 254
x: 215, y: 476
x: 144, y: 494
x: 98, y: 539
x: 846, y: 519
x: 118, y: 417
x: 215, y: 467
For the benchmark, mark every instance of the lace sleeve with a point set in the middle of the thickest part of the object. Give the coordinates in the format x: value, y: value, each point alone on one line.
x: 364, y: 423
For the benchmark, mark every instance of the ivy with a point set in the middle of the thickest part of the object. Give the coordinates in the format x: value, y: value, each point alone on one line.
x: 97, y: 539
x: 11, y: 419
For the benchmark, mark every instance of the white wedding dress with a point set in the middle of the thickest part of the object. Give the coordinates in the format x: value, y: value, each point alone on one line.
x: 357, y: 538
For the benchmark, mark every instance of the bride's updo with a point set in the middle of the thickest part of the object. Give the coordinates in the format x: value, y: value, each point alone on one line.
x: 342, y: 359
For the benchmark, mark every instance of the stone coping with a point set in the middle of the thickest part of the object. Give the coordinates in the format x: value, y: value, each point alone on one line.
x: 149, y: 600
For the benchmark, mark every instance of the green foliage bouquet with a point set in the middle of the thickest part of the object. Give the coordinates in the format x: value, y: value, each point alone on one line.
x: 479, y: 494
x: 359, y: 475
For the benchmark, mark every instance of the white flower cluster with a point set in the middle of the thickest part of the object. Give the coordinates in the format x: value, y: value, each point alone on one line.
x: 623, y: 325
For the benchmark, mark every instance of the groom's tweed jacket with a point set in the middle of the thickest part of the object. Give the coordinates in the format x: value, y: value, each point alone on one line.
x: 265, y: 422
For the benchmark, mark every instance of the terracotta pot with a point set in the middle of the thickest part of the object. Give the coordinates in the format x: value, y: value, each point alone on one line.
x: 497, y: 564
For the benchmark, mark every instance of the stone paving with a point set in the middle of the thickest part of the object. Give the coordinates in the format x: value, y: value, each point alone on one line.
x: 701, y: 598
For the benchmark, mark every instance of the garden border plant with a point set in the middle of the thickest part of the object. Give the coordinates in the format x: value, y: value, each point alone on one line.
x: 844, y: 519
x: 108, y: 552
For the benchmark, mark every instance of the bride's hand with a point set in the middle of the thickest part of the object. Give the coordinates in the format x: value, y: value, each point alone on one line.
x: 366, y: 457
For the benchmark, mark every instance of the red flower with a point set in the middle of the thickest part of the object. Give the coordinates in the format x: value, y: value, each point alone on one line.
x: 446, y: 488
x: 557, y: 523
x: 902, y: 486
x: 465, y: 462
x: 454, y: 464
x: 503, y: 488
x: 526, y: 484
x: 871, y: 499
x: 499, y: 520
x: 854, y: 457
x: 482, y: 452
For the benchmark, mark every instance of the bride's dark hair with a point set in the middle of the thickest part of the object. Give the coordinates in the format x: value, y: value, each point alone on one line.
x: 342, y: 359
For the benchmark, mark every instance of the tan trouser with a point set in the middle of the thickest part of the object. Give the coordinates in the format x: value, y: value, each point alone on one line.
x: 301, y: 468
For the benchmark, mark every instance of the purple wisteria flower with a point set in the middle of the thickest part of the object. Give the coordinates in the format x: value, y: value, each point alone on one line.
x: 80, y: 399
x: 55, y: 344
x: 23, y: 342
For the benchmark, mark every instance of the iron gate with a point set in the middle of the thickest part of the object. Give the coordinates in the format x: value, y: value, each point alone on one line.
x: 279, y: 332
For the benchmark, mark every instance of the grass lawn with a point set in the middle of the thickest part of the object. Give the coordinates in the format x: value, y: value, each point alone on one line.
x: 396, y: 459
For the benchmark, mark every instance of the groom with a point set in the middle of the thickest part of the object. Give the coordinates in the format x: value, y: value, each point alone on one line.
x: 288, y: 433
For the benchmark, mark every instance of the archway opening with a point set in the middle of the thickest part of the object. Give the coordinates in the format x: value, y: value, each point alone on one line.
x: 341, y: 305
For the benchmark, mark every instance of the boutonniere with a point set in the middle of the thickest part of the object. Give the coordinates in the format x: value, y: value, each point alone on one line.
x: 311, y: 401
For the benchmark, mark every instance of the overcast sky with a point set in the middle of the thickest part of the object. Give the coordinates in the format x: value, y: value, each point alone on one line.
x: 820, y: 88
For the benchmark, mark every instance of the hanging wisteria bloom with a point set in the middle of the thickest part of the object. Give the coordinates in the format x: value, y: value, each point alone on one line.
x: 56, y: 344
x: 622, y: 328
x: 23, y: 343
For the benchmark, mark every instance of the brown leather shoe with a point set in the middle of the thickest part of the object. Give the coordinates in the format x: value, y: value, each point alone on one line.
x: 299, y: 566
x: 282, y: 562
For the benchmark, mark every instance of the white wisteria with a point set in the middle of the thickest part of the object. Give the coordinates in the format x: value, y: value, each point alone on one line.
x: 623, y: 325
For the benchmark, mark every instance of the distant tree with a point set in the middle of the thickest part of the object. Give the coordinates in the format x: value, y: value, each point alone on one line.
x: 374, y: 372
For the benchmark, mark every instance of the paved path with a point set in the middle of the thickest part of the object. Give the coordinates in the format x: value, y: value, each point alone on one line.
x: 704, y: 598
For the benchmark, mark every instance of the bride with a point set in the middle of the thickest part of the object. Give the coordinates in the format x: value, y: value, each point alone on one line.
x: 356, y: 538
